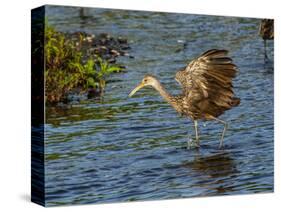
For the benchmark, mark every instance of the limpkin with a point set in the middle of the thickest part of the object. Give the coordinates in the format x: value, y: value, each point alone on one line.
x: 266, y: 31
x: 207, y: 90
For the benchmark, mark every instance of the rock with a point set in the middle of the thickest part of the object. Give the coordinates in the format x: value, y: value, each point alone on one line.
x: 92, y: 93
x: 122, y: 40
x: 103, y: 45
x: 114, y: 52
x: 111, y: 60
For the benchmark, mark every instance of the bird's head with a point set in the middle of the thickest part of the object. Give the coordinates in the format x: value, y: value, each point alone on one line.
x: 148, y: 80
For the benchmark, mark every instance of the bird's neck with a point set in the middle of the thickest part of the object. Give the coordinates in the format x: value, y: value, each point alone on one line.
x: 166, y: 95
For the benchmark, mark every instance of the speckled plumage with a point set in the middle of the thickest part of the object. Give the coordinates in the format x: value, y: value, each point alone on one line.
x: 266, y: 29
x: 207, y: 86
x: 207, y: 90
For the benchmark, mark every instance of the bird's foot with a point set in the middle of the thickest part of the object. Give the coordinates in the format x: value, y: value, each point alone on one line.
x: 192, y: 144
x: 221, y: 144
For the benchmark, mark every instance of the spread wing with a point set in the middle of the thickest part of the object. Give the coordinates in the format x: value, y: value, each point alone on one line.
x: 209, y: 78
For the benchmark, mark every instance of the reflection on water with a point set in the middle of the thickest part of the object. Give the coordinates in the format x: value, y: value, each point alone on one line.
x: 219, y: 167
x: 126, y: 149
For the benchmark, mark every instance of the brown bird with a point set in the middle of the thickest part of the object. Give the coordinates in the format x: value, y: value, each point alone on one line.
x: 266, y: 31
x: 207, y: 89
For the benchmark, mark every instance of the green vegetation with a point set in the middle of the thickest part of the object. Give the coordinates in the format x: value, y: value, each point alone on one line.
x: 67, y: 68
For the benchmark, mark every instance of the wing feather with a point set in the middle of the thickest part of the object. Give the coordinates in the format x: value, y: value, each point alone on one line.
x: 208, y: 79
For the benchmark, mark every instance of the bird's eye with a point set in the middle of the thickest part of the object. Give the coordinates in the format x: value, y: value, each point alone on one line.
x: 145, y: 80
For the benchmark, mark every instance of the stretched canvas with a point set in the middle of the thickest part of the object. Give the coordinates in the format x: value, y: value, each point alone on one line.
x: 138, y: 105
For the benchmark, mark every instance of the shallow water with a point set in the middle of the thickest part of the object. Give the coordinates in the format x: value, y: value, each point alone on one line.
x: 125, y: 149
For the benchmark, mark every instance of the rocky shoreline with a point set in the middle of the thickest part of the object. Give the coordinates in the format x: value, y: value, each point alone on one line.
x: 79, y: 64
x: 102, y: 45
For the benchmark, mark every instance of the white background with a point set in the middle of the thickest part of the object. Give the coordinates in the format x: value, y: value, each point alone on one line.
x: 15, y: 104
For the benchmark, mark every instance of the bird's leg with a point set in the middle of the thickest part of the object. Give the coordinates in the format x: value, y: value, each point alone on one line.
x: 196, y: 132
x: 197, y: 142
x: 265, y: 54
x: 223, y: 132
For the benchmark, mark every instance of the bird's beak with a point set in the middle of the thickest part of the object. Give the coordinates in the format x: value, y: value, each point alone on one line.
x: 141, y: 85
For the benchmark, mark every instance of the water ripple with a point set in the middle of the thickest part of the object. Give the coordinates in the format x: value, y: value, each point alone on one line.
x: 126, y: 149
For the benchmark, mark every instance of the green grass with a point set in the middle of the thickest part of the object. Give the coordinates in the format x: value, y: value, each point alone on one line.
x: 67, y: 70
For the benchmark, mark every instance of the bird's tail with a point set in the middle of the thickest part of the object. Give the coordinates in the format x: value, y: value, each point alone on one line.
x: 235, y: 102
